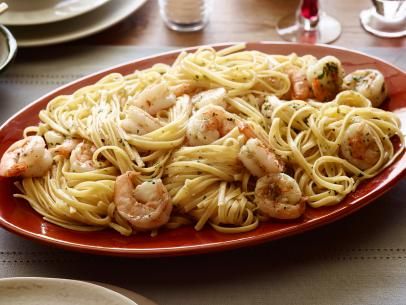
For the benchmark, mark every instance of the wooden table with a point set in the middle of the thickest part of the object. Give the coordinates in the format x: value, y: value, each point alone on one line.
x: 238, y: 20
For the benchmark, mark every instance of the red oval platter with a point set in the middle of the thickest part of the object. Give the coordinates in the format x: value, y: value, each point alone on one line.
x: 18, y: 217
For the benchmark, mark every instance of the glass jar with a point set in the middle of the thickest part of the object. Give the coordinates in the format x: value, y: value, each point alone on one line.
x: 185, y: 15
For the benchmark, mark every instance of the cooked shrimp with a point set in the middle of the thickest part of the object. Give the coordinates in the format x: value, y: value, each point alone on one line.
x: 267, y: 109
x: 209, y: 124
x: 300, y: 89
x: 325, y: 78
x: 259, y: 159
x: 181, y: 89
x: 65, y: 148
x: 279, y: 196
x: 146, y: 207
x: 247, y: 130
x: 53, y: 137
x: 210, y: 97
x: 154, y: 98
x: 81, y: 158
x: 139, y: 122
x: 28, y: 157
x: 369, y: 82
x: 359, y: 145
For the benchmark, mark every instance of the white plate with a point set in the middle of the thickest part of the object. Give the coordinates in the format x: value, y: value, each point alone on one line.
x: 47, y: 291
x: 8, y: 47
x: 77, y: 27
x: 22, y: 12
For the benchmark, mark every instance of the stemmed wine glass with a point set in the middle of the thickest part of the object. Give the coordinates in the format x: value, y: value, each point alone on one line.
x: 309, y: 24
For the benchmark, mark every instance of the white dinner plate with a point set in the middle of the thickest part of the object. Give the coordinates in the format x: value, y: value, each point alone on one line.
x: 77, y: 27
x: 8, y: 47
x: 44, y: 291
x: 23, y: 12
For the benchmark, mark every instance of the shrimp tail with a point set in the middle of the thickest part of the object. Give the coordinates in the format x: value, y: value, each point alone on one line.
x: 16, y: 170
x: 300, y: 86
x: 246, y: 130
x: 133, y: 176
x: 316, y: 90
x: 65, y: 148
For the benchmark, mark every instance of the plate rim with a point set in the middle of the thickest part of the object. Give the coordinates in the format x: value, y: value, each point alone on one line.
x: 54, y: 18
x: 65, y: 281
x: 214, y: 246
x: 128, y: 7
x: 11, y: 46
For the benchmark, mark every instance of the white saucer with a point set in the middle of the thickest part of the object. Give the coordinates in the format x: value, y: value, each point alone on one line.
x: 22, y: 12
x: 36, y: 291
x: 77, y: 27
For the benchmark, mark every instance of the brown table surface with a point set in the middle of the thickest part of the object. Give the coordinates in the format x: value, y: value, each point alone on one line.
x: 237, y: 20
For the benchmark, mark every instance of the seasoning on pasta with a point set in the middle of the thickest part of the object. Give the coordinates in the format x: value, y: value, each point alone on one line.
x: 228, y: 138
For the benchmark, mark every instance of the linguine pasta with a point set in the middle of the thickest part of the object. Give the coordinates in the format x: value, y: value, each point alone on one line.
x: 207, y: 184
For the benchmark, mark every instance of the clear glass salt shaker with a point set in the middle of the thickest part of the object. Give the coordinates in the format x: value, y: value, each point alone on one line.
x: 185, y: 15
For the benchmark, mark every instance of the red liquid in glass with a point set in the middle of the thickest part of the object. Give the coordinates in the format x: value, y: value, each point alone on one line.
x: 309, y: 9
